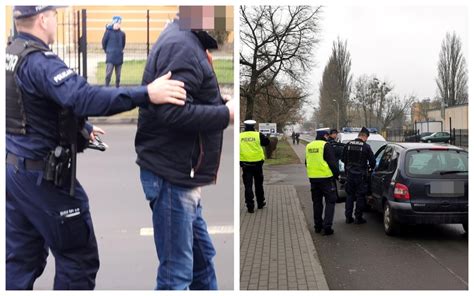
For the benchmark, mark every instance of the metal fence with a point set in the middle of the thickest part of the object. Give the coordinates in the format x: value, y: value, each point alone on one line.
x: 459, y: 137
x: 79, y: 36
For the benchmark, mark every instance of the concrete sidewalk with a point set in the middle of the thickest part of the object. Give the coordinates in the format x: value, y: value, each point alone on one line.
x: 276, y: 248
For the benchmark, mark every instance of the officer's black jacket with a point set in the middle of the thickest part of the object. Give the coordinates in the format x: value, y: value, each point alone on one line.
x: 337, y: 148
x: 361, y: 165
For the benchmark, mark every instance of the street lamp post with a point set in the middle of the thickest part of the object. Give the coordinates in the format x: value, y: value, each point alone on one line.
x: 337, y: 104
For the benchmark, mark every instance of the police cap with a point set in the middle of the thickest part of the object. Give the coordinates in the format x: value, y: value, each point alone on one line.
x: 250, y: 122
x: 320, y: 134
x: 24, y: 11
x: 364, y: 131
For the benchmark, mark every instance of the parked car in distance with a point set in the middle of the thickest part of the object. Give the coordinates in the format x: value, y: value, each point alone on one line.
x: 420, y: 183
x: 417, y: 137
x: 438, y: 137
x: 375, y: 141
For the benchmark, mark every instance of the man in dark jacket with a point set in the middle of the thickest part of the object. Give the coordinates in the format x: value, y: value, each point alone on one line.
x: 178, y: 152
x: 322, y: 169
x: 113, y: 43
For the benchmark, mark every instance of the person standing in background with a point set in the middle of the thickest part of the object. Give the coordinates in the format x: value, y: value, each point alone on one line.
x: 113, y: 43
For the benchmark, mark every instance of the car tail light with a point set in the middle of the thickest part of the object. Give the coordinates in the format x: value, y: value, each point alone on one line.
x: 440, y: 148
x: 401, y: 192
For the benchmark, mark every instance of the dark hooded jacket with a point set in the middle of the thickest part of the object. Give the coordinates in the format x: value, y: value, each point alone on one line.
x: 113, y: 43
x: 183, y: 144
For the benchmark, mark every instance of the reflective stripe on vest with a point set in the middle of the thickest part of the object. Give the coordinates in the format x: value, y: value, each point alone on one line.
x: 316, y: 166
x: 250, y: 148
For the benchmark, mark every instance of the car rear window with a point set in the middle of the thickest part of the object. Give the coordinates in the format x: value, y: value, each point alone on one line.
x: 437, y: 163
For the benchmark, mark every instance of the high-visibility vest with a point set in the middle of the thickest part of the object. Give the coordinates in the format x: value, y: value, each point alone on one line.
x: 316, y: 166
x: 250, y: 148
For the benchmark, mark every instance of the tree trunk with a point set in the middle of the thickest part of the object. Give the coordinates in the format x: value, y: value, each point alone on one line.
x: 249, y: 109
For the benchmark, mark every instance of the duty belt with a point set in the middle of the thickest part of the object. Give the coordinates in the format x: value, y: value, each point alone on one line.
x: 28, y: 164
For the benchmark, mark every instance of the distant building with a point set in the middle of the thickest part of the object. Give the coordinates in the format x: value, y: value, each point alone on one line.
x: 457, y: 114
x: 420, y: 110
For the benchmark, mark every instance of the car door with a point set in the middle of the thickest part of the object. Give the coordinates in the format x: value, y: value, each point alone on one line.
x: 375, y: 176
x: 445, y: 137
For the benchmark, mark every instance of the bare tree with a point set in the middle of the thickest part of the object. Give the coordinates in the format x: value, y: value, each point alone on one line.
x: 363, y: 99
x: 276, y: 41
x: 378, y: 106
x: 280, y: 104
x: 336, y: 85
x: 452, y: 72
x: 394, y: 111
x: 379, y: 91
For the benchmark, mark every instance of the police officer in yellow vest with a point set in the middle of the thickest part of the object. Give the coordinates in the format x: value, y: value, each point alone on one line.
x: 322, y: 169
x: 252, y: 157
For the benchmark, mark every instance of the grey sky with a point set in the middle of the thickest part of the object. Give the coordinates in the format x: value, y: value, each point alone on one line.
x: 398, y: 43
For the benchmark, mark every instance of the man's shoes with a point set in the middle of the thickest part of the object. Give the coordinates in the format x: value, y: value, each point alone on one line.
x: 251, y: 210
x: 262, y: 205
x: 360, y: 221
x: 317, y: 229
x: 349, y: 220
x: 327, y: 231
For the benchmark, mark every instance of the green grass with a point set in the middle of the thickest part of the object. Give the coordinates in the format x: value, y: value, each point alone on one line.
x: 283, y: 154
x: 132, y: 72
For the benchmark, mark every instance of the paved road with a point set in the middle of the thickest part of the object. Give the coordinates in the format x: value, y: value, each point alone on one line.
x: 363, y: 257
x: 119, y: 211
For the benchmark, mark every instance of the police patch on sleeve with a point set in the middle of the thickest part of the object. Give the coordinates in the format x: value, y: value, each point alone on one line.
x: 62, y: 76
x: 49, y: 54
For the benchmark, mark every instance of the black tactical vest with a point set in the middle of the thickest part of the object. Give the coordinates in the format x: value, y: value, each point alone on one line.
x: 69, y: 126
x: 15, y: 55
x: 355, y: 154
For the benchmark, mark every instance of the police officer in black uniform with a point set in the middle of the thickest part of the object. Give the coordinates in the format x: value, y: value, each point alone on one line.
x: 336, y: 147
x: 46, y: 207
x: 358, y: 158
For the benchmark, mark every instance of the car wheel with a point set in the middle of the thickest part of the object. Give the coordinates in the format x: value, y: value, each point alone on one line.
x: 464, y: 225
x: 429, y: 141
x: 390, y: 226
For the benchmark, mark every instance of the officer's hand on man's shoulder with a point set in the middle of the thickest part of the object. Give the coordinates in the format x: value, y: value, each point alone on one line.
x: 166, y: 91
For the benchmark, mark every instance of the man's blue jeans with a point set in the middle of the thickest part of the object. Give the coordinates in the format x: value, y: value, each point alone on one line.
x: 182, y: 242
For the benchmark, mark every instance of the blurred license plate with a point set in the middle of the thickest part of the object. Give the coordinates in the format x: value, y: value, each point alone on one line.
x: 447, y: 187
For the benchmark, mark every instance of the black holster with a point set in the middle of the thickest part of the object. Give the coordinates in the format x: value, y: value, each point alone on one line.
x: 59, y: 167
x: 61, y: 162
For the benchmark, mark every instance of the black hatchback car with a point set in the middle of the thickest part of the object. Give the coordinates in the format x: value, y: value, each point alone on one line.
x: 420, y: 183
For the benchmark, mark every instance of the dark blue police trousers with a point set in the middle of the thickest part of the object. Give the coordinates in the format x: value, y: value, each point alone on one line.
x: 323, y: 188
x: 40, y: 216
x: 356, y: 189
